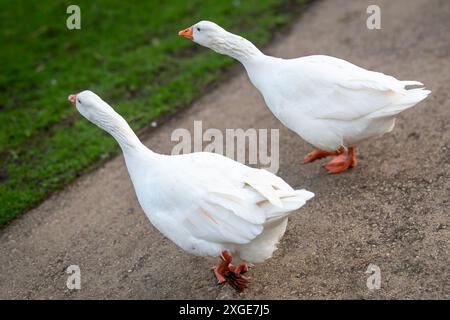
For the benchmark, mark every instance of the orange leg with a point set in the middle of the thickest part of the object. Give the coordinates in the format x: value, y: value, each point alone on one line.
x: 342, y: 162
x: 225, y: 271
x: 319, y: 154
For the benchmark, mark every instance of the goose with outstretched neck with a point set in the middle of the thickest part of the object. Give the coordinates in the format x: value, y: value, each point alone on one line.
x: 329, y: 102
x: 207, y: 204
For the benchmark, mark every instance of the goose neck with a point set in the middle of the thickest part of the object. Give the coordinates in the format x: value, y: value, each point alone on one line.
x: 236, y: 47
x: 117, y: 127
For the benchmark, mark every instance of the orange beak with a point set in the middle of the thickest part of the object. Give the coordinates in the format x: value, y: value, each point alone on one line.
x: 187, y: 33
x: 72, y: 98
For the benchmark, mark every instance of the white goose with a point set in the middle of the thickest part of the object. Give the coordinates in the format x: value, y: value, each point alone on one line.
x: 329, y: 102
x: 208, y: 204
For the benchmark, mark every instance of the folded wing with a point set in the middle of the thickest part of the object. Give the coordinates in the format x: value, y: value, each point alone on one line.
x: 230, y: 214
x: 343, y: 91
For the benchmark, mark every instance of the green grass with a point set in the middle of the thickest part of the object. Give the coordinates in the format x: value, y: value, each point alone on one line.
x: 126, y: 51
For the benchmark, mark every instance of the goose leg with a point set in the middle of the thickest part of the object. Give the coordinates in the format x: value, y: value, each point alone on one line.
x: 219, y: 275
x: 221, y: 270
x: 342, y: 162
x: 225, y: 271
x: 319, y: 154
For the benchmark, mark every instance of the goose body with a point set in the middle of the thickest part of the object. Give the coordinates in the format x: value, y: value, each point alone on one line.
x: 329, y: 102
x: 207, y: 204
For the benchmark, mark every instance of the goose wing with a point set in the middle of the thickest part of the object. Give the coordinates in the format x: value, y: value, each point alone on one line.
x: 337, y: 89
x: 236, y: 201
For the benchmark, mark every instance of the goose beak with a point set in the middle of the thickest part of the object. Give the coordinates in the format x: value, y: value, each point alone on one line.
x: 72, y: 98
x: 187, y: 33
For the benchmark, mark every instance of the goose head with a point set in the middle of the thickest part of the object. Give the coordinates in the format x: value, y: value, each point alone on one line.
x: 213, y: 36
x: 97, y: 111
x: 92, y: 107
x: 204, y: 33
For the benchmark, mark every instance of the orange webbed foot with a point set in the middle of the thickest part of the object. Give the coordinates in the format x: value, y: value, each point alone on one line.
x: 227, y: 272
x: 319, y: 154
x: 239, y: 269
x: 342, y: 162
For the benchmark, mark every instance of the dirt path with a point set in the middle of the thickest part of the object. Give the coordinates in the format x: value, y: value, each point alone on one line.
x: 392, y: 210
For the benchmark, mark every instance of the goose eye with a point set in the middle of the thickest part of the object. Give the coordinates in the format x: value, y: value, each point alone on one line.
x: 79, y: 101
x: 198, y: 29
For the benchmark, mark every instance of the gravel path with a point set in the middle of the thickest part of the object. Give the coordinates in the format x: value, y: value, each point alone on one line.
x: 392, y: 210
